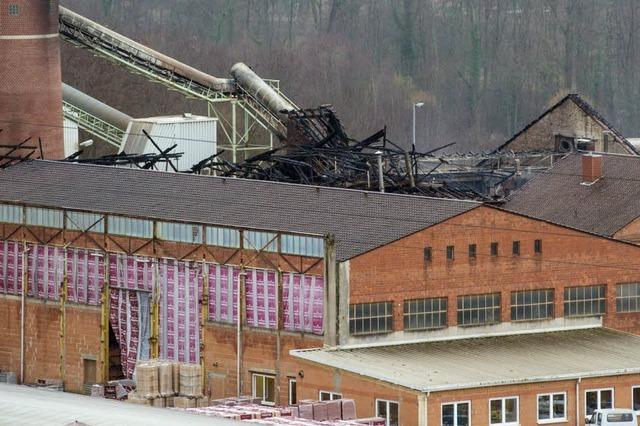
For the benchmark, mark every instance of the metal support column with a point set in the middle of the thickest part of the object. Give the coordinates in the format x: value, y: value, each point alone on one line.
x: 104, y: 324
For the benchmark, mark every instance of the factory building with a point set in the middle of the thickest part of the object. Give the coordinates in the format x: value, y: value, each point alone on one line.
x: 30, y: 87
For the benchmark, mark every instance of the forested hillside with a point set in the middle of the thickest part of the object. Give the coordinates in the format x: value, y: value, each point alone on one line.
x: 483, y: 68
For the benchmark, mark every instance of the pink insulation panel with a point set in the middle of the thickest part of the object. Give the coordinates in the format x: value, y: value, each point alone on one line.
x: 260, y: 293
x: 11, y: 272
x: 85, y: 276
x: 223, y: 292
x: 303, y: 302
x: 123, y: 317
x: 130, y: 272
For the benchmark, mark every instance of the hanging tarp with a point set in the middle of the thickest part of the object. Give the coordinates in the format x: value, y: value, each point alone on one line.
x: 179, y: 283
x: 223, y: 292
x: 124, y: 319
x: 130, y: 272
x: 46, y: 271
x: 85, y: 276
x: 11, y: 267
x: 260, y: 293
x: 303, y: 302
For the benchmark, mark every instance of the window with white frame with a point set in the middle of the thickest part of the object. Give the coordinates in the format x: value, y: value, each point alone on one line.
x: 388, y: 410
x: 222, y: 237
x: 531, y: 305
x: 584, y: 301
x: 182, y: 232
x: 456, y: 414
x: 598, y: 399
x: 81, y: 221
x: 635, y: 398
x: 10, y: 213
x: 371, y: 318
x: 479, y: 309
x: 264, y: 387
x: 44, y: 217
x: 293, y: 392
x: 552, y: 407
x: 420, y: 314
x: 503, y: 411
x: 628, y: 297
x: 329, y: 396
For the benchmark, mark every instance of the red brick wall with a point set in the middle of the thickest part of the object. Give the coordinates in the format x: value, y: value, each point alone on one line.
x: 42, y: 340
x: 398, y: 271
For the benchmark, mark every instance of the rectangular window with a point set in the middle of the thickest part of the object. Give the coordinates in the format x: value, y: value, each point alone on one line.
x: 584, y: 301
x: 80, y: 221
x: 537, y: 246
x: 494, y: 249
x: 293, y: 392
x: 456, y: 414
x: 635, y: 398
x: 479, y: 309
x: 427, y: 254
x: 182, y: 232
x: 120, y: 225
x: 222, y: 237
x: 421, y: 314
x: 329, y: 396
x: 44, y: 217
x: 531, y: 305
x: 503, y: 411
x: 515, y: 248
x: 450, y: 252
x: 628, y: 297
x: 371, y: 318
x: 387, y: 410
x: 10, y: 213
x: 263, y: 241
x: 472, y: 251
x: 14, y: 9
x: 302, y: 245
x: 264, y: 387
x: 552, y: 407
x: 598, y: 399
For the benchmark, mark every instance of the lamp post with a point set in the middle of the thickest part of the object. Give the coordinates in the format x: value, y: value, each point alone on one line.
x: 415, y: 106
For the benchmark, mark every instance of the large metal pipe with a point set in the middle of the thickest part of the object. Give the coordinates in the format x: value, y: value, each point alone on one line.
x: 94, y: 107
x: 109, y: 37
x: 261, y: 91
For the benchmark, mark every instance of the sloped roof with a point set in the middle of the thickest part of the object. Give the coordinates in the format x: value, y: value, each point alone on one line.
x: 360, y: 220
x: 587, y: 108
x: 603, y: 208
x: 489, y: 361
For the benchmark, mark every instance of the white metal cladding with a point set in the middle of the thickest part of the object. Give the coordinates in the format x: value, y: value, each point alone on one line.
x: 44, y: 217
x: 80, y: 221
x: 130, y: 227
x: 10, y: 213
x: 70, y: 137
x: 182, y: 232
x: 223, y: 237
x: 255, y: 240
x: 194, y: 135
x: 301, y: 245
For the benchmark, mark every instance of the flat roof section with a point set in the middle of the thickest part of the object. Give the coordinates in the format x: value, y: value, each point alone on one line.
x: 490, y: 361
x: 28, y: 406
x: 360, y: 220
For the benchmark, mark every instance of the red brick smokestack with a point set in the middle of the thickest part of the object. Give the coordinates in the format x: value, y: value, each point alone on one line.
x: 30, y: 80
x: 591, y: 168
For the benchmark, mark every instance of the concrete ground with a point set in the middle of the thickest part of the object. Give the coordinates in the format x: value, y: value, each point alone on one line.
x: 21, y: 405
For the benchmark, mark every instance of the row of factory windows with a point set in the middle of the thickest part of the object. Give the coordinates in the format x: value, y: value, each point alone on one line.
x: 473, y: 250
x: 485, y: 309
x: 169, y: 231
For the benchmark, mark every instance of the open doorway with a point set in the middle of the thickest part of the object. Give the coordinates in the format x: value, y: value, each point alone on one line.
x: 115, y: 361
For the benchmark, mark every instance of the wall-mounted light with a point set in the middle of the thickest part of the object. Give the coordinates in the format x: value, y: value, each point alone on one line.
x: 301, y: 374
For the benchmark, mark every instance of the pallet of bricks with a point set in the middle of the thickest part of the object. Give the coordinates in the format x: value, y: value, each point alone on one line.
x: 162, y: 383
x: 240, y: 408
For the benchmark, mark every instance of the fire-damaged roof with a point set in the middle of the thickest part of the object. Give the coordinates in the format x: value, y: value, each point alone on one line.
x: 587, y: 108
x: 603, y: 208
x: 360, y: 220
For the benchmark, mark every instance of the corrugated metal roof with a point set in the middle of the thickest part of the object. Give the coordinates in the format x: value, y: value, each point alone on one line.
x: 360, y: 220
x: 601, y: 208
x: 20, y: 405
x: 490, y: 361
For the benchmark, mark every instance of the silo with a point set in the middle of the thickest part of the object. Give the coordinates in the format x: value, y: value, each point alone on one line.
x: 30, y: 81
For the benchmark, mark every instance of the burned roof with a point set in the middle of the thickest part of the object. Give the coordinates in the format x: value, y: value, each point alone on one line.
x: 360, y: 220
x: 587, y: 108
x: 603, y: 208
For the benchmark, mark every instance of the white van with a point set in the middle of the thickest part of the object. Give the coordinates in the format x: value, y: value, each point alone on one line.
x: 613, y: 417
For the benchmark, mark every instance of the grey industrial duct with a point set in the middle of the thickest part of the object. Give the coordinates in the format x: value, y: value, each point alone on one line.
x: 255, y: 86
x: 95, y: 107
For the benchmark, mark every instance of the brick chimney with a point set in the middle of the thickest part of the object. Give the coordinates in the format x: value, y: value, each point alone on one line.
x: 591, y: 168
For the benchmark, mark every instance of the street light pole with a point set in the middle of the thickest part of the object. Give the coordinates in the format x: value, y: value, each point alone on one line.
x: 413, y: 143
